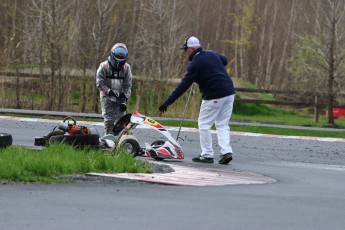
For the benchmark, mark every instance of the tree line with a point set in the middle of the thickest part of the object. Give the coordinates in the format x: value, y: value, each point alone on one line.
x: 275, y: 44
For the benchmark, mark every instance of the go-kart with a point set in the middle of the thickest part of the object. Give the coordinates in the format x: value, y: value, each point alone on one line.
x: 69, y: 132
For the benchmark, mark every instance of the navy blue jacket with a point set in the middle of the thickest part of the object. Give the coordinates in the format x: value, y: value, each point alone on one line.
x: 207, y: 69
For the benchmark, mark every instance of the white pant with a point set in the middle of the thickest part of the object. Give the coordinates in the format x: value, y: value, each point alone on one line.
x: 216, y: 111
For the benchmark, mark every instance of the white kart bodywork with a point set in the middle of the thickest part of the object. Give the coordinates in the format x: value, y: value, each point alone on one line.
x: 169, y: 149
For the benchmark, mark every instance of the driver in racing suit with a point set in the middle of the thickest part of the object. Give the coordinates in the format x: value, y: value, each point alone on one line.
x: 114, y: 81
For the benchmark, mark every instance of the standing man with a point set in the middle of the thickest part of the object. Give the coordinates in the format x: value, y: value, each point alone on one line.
x: 114, y: 81
x: 207, y: 69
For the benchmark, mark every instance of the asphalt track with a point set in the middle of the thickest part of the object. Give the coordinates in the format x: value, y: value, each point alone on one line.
x: 308, y: 191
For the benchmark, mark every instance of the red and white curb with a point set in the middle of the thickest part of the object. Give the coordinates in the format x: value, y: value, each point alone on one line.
x: 190, y: 176
x: 183, y: 129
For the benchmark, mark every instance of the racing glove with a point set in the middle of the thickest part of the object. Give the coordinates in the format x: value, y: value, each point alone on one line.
x: 123, y: 104
x: 120, y: 96
x: 163, y: 107
x: 112, y: 93
x: 123, y: 97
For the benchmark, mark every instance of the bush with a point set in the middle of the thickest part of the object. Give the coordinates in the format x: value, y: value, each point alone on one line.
x: 251, y: 109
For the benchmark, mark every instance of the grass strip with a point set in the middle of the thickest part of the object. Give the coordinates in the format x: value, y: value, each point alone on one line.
x: 47, y: 166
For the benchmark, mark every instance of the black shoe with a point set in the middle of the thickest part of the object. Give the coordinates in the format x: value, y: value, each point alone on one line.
x: 203, y: 159
x: 225, y: 159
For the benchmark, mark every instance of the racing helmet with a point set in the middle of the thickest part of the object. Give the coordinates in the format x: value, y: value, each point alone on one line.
x: 118, y: 55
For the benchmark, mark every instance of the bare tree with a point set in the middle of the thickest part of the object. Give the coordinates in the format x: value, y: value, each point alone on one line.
x: 53, y: 29
x: 333, y: 46
x: 260, y: 38
x: 14, y: 44
x: 244, y: 21
x: 99, y: 30
x: 104, y: 34
x: 159, y: 31
x: 319, y: 62
x: 288, y: 38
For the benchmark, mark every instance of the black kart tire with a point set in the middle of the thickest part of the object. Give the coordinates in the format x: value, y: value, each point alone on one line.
x: 131, y: 146
x: 54, y: 133
x: 88, y: 140
x: 5, y: 140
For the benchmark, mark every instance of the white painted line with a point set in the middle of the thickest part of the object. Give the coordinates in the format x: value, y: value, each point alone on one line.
x: 309, y: 165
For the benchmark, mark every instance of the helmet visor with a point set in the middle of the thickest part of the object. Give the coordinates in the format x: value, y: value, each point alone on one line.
x: 120, y: 54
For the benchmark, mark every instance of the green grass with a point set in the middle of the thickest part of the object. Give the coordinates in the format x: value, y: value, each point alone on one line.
x: 252, y: 109
x: 49, y: 165
x: 293, y: 119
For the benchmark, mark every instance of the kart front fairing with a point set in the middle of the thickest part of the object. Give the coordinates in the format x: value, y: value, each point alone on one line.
x: 169, y: 149
x: 165, y: 151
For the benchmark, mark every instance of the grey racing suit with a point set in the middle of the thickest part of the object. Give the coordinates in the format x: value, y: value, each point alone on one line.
x: 108, y: 78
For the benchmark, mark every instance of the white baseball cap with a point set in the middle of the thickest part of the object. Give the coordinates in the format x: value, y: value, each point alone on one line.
x: 191, y: 42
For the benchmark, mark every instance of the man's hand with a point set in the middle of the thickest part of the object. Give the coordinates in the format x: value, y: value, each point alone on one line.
x: 163, y: 108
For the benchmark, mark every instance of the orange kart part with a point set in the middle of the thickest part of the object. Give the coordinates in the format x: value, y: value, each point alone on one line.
x: 74, y: 129
x: 69, y: 125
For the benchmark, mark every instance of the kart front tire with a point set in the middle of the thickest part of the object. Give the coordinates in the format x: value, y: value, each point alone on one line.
x: 54, y: 133
x: 131, y: 146
x: 5, y: 140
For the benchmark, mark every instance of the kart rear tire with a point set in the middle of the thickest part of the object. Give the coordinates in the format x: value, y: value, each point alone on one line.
x: 80, y: 140
x: 54, y: 133
x: 44, y: 141
x: 131, y: 146
x: 5, y: 140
